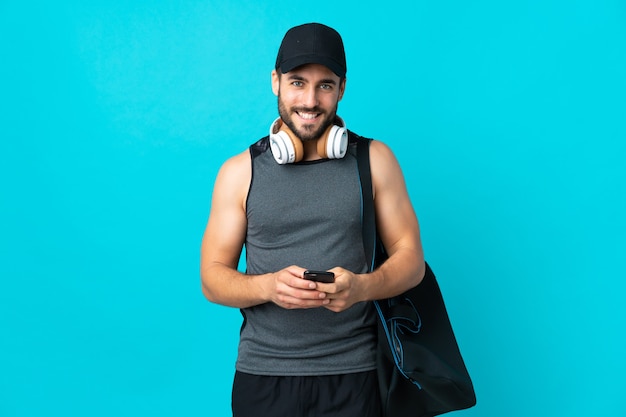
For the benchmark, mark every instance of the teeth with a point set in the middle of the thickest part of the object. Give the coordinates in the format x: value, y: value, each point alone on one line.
x: 308, y: 115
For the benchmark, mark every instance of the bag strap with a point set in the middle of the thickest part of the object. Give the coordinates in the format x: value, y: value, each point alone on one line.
x: 368, y: 217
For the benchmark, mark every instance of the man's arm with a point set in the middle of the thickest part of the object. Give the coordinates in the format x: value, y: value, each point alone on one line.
x: 399, y: 230
x: 222, y: 245
x: 397, y: 225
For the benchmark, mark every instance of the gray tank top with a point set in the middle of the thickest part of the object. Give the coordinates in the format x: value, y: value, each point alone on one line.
x: 306, y: 214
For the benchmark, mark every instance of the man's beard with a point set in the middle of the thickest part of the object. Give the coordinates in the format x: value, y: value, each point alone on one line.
x: 308, y: 133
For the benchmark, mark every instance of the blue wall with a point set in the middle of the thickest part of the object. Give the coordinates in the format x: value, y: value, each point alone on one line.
x: 507, y: 117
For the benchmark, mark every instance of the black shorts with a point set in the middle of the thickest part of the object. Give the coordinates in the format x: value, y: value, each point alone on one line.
x: 347, y: 395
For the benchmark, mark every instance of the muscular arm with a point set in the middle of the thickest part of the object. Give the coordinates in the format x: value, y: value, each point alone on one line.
x: 399, y: 230
x: 222, y: 245
x: 224, y: 237
x: 397, y: 226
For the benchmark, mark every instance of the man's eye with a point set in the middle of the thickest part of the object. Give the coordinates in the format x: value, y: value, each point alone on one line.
x: 297, y: 84
x: 326, y: 86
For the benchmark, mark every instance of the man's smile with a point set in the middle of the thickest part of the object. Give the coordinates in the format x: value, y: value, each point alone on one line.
x: 307, y: 116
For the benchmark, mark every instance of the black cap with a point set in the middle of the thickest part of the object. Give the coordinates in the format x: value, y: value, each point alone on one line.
x: 312, y: 43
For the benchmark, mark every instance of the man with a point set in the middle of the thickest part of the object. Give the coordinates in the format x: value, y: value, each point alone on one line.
x: 293, y: 199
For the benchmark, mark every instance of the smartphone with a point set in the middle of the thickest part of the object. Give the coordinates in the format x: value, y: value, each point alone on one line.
x: 319, y: 276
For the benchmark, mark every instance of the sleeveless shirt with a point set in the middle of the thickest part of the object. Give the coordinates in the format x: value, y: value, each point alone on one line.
x: 306, y: 214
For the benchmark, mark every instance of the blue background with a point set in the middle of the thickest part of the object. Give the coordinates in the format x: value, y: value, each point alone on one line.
x: 507, y: 117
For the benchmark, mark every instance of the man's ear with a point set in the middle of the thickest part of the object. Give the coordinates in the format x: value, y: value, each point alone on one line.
x: 275, y: 82
x: 342, y: 88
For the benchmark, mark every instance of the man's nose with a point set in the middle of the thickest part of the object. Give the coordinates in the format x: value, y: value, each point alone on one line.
x: 309, y: 98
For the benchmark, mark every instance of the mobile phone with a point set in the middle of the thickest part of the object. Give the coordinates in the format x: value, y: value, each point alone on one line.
x: 319, y: 276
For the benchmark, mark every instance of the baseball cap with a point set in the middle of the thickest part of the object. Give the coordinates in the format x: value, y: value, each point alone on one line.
x: 312, y: 43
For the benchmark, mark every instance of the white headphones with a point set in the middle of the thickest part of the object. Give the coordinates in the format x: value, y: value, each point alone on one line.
x: 287, y: 148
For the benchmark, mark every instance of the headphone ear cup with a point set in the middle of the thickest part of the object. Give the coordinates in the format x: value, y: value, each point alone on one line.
x: 336, y: 143
x: 322, y: 146
x: 285, y: 148
x: 282, y: 148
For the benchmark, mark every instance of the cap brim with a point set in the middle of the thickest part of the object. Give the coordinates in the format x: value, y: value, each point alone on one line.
x: 295, y: 62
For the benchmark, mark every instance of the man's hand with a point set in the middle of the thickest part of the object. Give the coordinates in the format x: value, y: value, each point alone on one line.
x: 344, y: 292
x: 288, y: 289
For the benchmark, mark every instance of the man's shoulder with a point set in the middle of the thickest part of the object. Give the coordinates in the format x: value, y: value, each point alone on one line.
x: 353, y: 137
x: 243, y: 158
x: 375, y: 145
x: 260, y: 146
x: 237, y: 164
